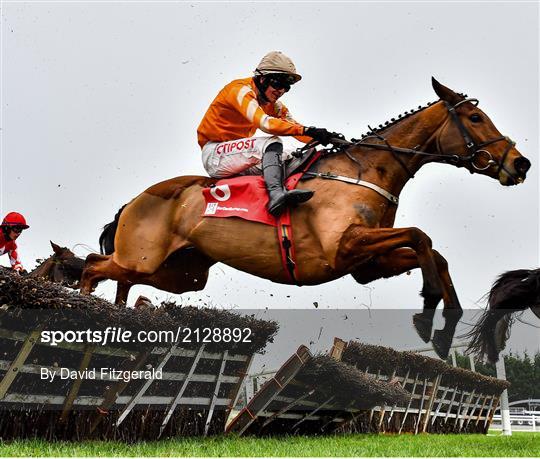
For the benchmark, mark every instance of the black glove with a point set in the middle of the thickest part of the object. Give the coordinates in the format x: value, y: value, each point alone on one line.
x: 321, y: 135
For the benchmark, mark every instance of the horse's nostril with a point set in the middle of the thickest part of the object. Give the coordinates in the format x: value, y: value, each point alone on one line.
x: 522, y: 164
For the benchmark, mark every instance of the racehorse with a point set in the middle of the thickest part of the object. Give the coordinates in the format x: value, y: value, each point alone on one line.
x: 513, y: 291
x: 62, y: 267
x: 161, y: 239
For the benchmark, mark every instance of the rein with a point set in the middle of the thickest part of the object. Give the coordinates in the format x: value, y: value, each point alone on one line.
x: 475, y: 152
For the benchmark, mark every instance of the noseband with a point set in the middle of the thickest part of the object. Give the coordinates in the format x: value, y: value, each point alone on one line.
x: 477, y: 151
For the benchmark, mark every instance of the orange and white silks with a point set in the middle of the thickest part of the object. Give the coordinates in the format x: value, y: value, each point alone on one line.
x: 235, y: 113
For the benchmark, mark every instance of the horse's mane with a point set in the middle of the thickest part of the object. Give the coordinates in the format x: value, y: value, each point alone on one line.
x: 393, y: 121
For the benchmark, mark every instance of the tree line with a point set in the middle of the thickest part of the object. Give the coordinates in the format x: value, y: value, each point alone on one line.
x: 522, y: 371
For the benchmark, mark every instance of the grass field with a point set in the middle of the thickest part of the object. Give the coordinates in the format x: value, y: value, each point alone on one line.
x: 520, y: 444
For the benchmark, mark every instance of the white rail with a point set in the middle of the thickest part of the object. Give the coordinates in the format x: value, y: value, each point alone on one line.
x: 523, y: 423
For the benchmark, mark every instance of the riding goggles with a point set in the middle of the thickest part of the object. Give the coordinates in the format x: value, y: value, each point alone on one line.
x: 17, y: 229
x: 281, y: 81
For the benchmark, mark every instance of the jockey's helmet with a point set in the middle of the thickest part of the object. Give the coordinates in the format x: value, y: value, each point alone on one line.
x: 15, y: 219
x: 277, y: 62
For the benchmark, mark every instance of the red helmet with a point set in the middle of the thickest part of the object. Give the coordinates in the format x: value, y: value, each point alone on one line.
x: 15, y: 219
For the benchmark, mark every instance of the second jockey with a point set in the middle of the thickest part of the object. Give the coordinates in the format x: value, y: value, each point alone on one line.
x: 226, y: 132
x: 11, y: 228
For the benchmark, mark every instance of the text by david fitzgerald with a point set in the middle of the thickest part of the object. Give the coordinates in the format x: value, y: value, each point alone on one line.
x: 102, y: 373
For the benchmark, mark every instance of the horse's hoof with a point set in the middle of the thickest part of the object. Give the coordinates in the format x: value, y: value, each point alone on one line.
x: 441, y: 344
x: 423, y: 327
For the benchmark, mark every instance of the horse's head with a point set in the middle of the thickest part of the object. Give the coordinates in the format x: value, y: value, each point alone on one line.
x: 62, y: 267
x: 473, y: 141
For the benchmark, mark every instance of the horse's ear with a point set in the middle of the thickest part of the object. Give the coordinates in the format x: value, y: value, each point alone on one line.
x: 57, y: 249
x: 445, y: 93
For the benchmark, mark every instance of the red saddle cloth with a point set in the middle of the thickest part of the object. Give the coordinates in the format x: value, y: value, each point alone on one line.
x: 244, y: 197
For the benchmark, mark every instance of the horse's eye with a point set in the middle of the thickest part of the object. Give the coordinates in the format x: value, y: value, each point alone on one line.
x: 475, y: 118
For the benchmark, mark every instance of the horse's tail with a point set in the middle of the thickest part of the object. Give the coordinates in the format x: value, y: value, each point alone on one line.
x: 513, y: 291
x: 488, y: 337
x: 106, y: 240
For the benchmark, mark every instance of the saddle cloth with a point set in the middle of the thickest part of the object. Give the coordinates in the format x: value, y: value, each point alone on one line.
x: 243, y: 197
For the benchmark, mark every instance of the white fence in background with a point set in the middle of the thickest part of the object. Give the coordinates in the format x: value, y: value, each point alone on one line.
x: 520, y: 422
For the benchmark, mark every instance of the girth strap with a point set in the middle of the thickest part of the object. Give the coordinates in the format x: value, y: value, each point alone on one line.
x: 285, y: 231
x: 286, y: 246
x: 328, y: 175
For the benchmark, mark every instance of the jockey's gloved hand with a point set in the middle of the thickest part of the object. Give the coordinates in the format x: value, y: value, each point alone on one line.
x: 321, y: 135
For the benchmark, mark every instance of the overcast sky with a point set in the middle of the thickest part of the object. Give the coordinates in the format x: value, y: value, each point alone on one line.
x: 101, y: 100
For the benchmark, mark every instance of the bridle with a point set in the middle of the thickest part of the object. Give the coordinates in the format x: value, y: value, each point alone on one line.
x: 476, y: 151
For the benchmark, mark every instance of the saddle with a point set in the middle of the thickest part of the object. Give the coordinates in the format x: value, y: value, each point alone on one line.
x: 246, y: 197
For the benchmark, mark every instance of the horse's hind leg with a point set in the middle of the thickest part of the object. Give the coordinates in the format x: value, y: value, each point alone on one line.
x: 95, y: 270
x: 122, y: 292
x: 102, y: 267
x: 185, y: 270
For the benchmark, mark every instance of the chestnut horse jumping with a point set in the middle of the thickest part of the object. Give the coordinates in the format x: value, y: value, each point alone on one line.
x: 161, y: 239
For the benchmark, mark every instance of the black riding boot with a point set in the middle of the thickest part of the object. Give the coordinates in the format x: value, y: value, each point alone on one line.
x: 273, y: 176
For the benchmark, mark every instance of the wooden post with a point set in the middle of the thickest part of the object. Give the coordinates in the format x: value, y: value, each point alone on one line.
x: 338, y: 348
x: 320, y: 407
x: 134, y: 400
x: 470, y: 416
x: 439, y: 406
x: 466, y: 406
x: 216, y: 392
x: 409, y: 404
x: 288, y: 407
x: 383, y: 408
x: 433, y: 396
x: 403, y: 387
x: 459, y: 407
x: 115, y: 389
x: 421, y: 406
x: 234, y: 393
x: 18, y: 362
x: 481, y: 410
x: 75, y: 387
x: 269, y: 391
x: 492, y: 407
x: 454, y: 393
x: 179, y: 394
x: 372, y: 409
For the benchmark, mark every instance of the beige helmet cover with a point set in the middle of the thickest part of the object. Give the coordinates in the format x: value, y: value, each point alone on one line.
x: 277, y: 62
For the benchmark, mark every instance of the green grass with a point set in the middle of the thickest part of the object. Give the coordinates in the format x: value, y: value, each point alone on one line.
x: 518, y: 445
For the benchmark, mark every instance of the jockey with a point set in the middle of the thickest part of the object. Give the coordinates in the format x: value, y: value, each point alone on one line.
x: 225, y: 134
x: 12, y: 226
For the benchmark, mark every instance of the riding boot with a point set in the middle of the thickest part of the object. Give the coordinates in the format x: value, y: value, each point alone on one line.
x: 273, y: 176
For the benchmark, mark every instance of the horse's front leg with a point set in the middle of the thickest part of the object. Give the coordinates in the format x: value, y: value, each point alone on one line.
x: 402, y: 260
x: 392, y: 264
x: 442, y: 339
x: 359, y: 244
